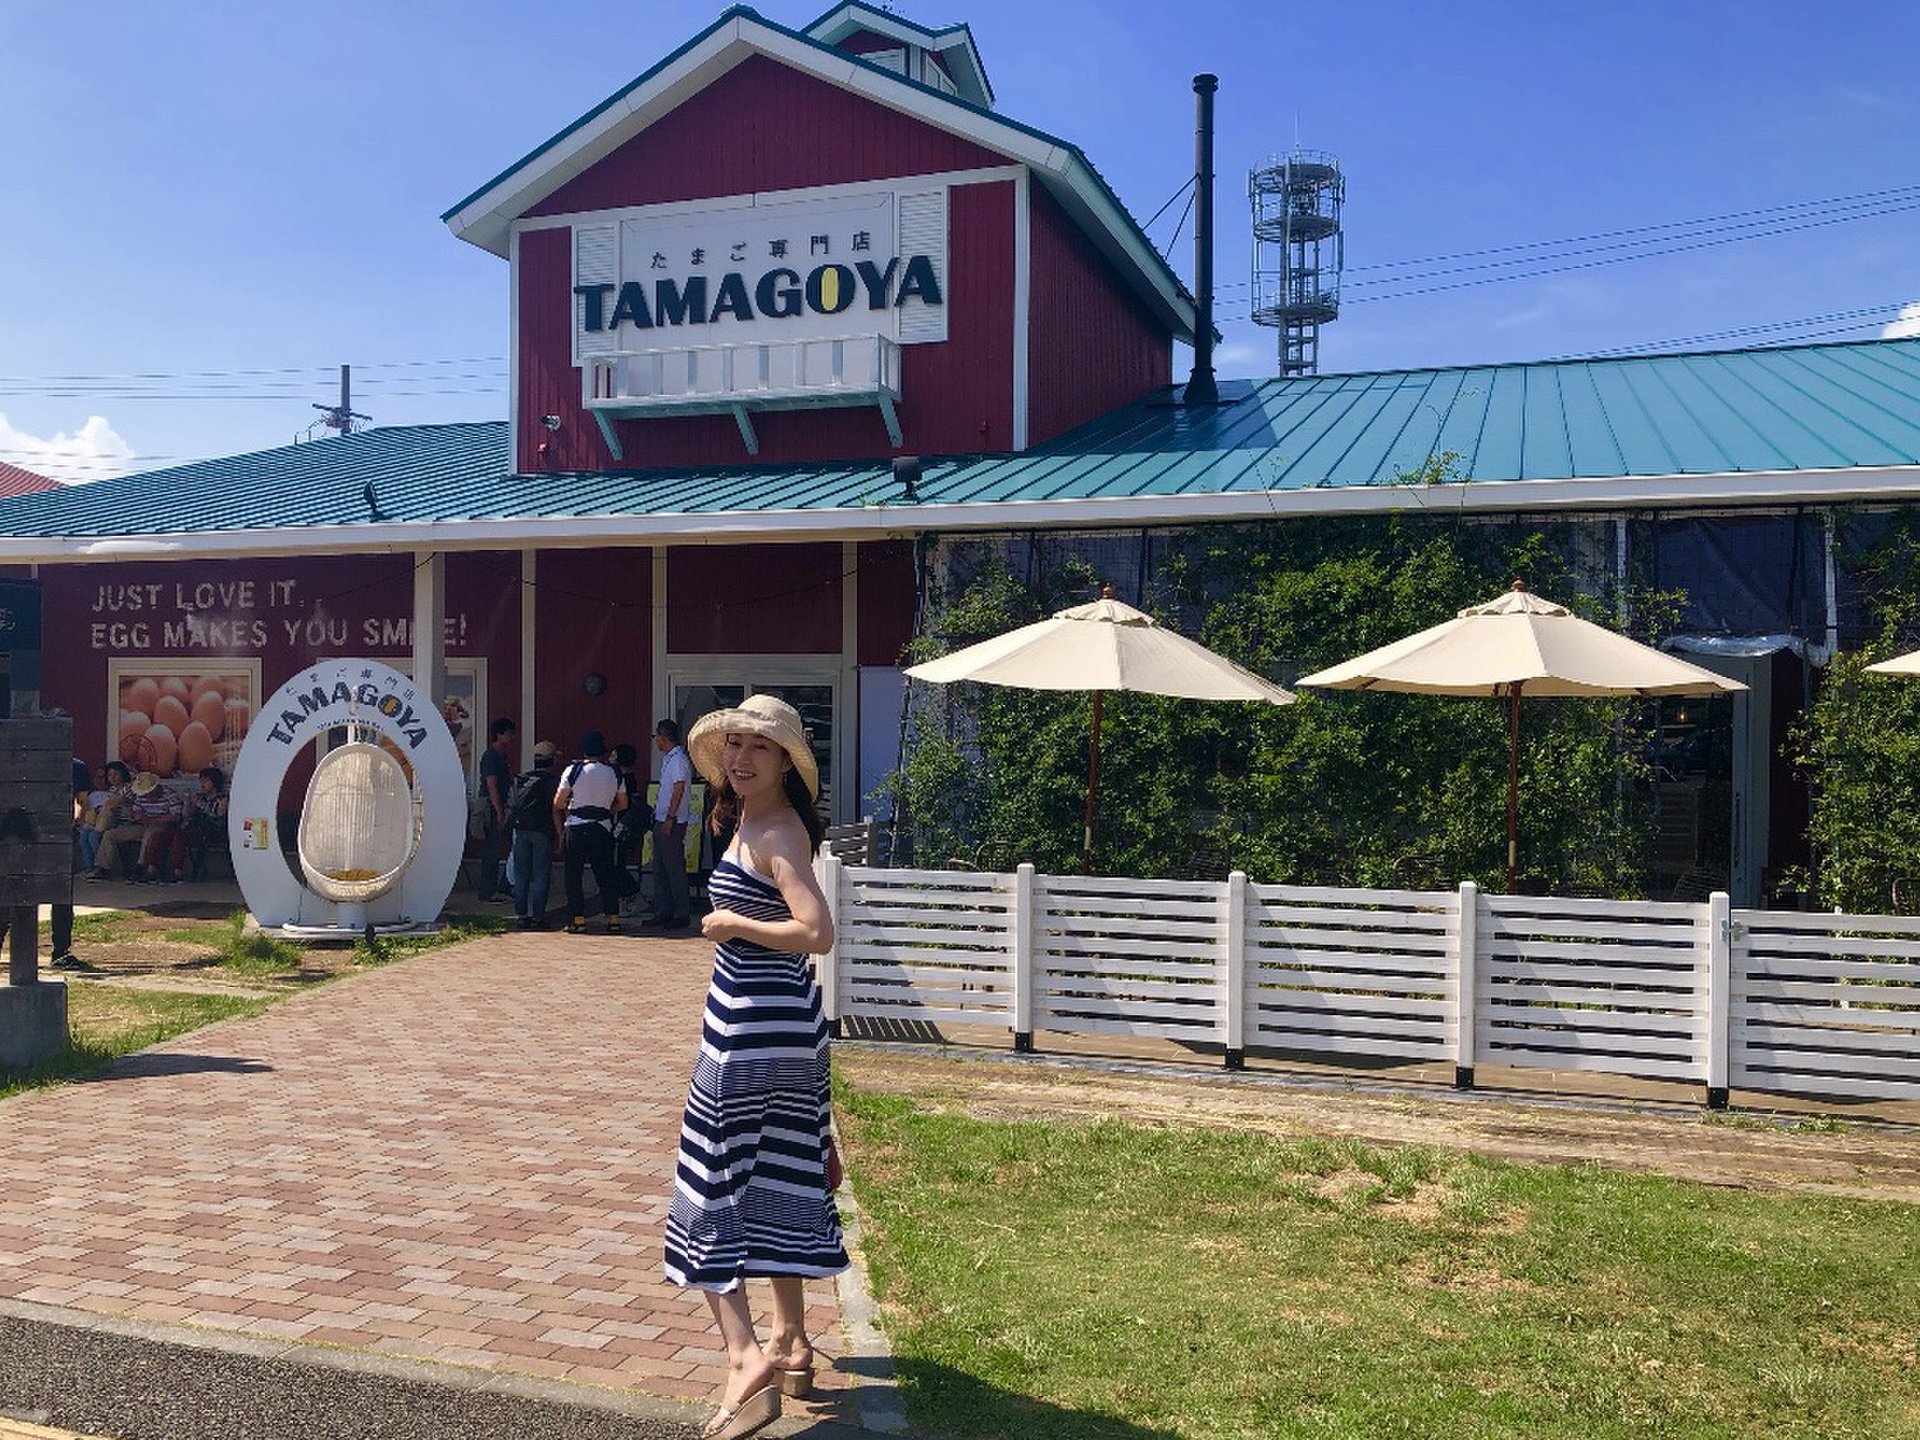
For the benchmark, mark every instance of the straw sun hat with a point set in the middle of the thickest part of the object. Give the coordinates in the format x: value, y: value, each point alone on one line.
x: 145, y: 783
x: 756, y: 715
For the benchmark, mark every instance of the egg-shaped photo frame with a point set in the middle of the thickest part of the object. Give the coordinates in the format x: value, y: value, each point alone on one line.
x: 359, y: 702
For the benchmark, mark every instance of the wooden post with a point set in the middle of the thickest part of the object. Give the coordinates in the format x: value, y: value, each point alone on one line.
x: 23, y: 949
x: 829, y: 963
x: 36, y: 832
x: 1233, y: 971
x: 1466, y: 974
x: 1023, y: 960
x: 1719, y: 919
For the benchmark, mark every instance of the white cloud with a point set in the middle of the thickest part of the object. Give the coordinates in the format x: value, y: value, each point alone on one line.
x: 93, y: 452
x: 1236, y: 358
x: 1513, y: 319
x: 1907, y: 326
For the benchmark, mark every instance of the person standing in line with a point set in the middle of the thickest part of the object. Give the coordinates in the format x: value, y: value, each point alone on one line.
x: 63, y: 957
x: 584, y: 806
x: 531, y: 818
x: 496, y: 778
x: 626, y: 832
x: 672, y: 811
x: 754, y: 1182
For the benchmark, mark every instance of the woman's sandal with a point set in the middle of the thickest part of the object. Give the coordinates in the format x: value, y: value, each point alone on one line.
x: 749, y: 1417
x: 796, y: 1381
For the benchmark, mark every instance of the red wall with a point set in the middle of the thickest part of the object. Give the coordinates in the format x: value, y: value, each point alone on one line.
x: 886, y: 601
x: 763, y: 126
x: 286, y: 612
x: 1092, y: 346
x: 754, y: 600
x: 766, y: 127
x: 595, y: 616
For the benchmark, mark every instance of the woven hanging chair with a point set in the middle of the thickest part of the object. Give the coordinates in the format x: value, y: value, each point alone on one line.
x: 360, y: 825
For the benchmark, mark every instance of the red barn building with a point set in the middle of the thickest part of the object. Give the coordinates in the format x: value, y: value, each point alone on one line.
x: 775, y: 253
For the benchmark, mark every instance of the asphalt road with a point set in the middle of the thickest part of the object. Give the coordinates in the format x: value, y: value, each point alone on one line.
x: 129, y: 1387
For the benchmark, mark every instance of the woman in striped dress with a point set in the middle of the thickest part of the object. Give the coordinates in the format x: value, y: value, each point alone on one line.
x: 753, y: 1190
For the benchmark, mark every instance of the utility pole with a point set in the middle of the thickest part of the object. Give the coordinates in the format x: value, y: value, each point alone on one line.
x: 341, y: 417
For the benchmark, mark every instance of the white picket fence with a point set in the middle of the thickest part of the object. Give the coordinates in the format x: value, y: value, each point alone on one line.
x: 1819, y: 1005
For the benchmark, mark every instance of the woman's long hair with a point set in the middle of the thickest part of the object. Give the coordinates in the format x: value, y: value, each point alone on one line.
x: 725, y: 815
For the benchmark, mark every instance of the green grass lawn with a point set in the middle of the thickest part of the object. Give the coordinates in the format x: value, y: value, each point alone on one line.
x: 105, y: 1022
x: 1114, y: 1282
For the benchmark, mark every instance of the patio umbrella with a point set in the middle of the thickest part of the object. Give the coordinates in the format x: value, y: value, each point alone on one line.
x: 1100, y: 647
x: 1518, y: 643
x: 1908, y: 664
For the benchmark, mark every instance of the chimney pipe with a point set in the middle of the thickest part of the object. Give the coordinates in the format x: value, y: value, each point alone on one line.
x: 1201, y: 389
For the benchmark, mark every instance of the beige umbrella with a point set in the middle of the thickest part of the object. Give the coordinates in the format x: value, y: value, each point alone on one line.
x: 1520, y: 642
x: 1908, y: 664
x: 1100, y: 647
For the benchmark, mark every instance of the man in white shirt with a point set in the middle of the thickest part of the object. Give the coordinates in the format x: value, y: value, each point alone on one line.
x: 672, y: 811
x: 584, y: 806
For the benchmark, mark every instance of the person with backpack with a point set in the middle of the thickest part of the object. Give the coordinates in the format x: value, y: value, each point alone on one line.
x: 588, y: 798
x: 530, y: 821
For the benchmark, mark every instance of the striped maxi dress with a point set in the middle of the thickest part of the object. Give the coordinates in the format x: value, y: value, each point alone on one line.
x: 750, y: 1193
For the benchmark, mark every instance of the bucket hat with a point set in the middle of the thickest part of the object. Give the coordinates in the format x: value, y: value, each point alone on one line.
x: 755, y: 715
x: 145, y: 783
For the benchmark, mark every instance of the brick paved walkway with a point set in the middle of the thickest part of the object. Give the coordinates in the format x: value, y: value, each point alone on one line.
x: 465, y: 1157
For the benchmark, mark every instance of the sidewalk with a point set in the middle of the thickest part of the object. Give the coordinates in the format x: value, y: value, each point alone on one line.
x: 463, y: 1159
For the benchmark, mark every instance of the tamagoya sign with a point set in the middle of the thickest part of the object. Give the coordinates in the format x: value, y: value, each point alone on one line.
x: 871, y: 264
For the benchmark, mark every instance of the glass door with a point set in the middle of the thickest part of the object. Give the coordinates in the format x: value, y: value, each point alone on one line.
x: 698, y: 689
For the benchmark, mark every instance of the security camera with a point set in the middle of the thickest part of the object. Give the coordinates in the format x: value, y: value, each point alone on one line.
x: 552, y: 422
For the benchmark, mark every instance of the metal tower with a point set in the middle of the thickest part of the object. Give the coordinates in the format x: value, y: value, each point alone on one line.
x: 1297, y: 251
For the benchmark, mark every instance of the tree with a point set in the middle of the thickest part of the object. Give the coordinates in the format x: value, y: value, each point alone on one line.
x: 1335, y: 789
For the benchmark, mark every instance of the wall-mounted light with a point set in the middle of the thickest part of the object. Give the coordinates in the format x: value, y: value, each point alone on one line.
x: 906, y: 470
x: 552, y: 422
x: 595, y: 683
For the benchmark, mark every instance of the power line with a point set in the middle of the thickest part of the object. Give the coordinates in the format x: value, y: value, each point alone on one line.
x: 1550, y: 270
x: 1865, y: 318
x: 1837, y: 210
x: 1838, y: 200
x: 321, y: 370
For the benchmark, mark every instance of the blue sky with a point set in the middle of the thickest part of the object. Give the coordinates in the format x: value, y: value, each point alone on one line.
x: 232, y: 197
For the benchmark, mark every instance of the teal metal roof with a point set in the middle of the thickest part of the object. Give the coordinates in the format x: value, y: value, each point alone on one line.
x: 1726, y: 413
x: 1780, y: 408
x: 324, y: 483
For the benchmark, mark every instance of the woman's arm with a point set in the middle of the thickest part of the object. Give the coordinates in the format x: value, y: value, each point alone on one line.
x: 810, y: 932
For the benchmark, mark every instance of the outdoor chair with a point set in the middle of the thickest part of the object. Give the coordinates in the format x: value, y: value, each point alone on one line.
x: 1695, y: 885
x: 360, y: 825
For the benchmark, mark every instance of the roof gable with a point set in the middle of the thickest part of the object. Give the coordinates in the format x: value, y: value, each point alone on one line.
x: 15, y: 481
x: 743, y: 134
x: 485, y: 218
x: 952, y: 43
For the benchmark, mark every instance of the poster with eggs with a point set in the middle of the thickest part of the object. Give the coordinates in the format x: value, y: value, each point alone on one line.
x: 176, y: 717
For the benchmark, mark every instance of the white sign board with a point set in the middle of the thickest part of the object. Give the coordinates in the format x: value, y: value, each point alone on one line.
x: 762, y: 271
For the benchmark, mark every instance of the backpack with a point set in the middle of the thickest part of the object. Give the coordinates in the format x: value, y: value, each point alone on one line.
x: 530, y: 801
